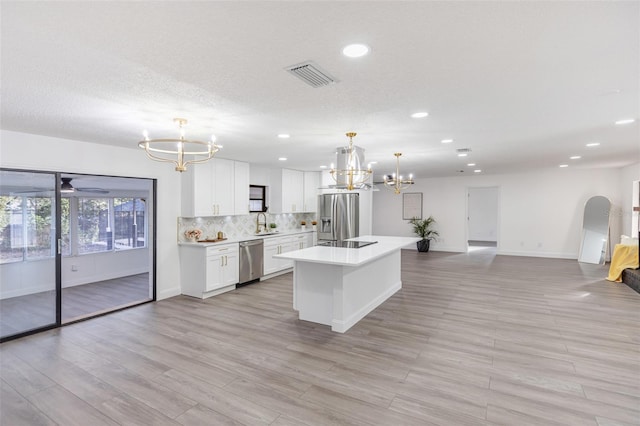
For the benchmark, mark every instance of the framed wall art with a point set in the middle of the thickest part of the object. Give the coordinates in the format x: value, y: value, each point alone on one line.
x: 411, y: 205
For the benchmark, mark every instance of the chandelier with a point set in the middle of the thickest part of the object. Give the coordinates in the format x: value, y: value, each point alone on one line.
x: 351, y: 175
x: 395, y: 181
x: 180, y: 152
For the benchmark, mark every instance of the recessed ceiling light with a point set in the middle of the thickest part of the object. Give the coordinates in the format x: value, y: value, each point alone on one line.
x: 471, y: 164
x: 355, y: 50
x: 419, y: 114
x: 282, y: 159
x: 446, y: 140
x: 625, y: 121
x: 562, y: 166
x: 592, y: 144
x: 462, y: 154
x: 323, y: 167
x: 373, y: 162
x: 477, y: 171
x: 575, y: 157
x: 284, y: 136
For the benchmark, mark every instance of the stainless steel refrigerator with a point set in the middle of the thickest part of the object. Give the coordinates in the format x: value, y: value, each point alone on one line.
x: 338, y: 216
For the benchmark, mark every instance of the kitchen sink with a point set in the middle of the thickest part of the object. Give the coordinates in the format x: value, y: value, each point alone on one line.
x: 267, y: 233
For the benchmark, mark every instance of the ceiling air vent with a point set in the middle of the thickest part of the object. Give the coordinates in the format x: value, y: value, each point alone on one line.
x: 311, y: 74
x: 462, y: 150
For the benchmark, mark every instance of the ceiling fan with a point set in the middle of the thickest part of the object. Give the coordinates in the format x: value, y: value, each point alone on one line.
x: 66, y: 187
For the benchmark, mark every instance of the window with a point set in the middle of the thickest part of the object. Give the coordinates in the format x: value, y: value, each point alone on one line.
x: 26, y: 228
x: 257, y: 198
x: 89, y: 225
x: 129, y: 226
x: 94, y: 232
x: 65, y: 233
x: 106, y: 224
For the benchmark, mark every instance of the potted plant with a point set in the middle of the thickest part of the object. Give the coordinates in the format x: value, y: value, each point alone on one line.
x: 303, y: 224
x: 423, y: 228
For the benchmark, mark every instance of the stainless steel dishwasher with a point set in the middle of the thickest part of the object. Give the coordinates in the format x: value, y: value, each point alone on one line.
x: 251, y: 260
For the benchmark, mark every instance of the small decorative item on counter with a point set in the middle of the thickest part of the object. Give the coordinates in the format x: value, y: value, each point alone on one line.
x: 313, y: 224
x: 273, y: 226
x: 193, y: 235
x: 303, y: 224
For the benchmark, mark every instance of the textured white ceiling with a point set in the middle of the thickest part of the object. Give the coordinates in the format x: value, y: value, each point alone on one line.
x: 524, y: 85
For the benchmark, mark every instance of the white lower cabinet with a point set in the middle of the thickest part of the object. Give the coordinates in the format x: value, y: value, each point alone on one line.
x: 278, y: 245
x: 207, y: 271
x: 300, y: 241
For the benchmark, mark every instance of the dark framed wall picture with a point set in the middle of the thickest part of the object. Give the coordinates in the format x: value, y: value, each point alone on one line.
x: 411, y: 205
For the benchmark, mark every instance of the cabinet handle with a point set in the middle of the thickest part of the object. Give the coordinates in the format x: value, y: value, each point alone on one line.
x: 221, y: 261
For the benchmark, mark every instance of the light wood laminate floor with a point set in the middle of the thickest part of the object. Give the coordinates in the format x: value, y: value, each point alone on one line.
x: 471, y: 339
x: 23, y: 313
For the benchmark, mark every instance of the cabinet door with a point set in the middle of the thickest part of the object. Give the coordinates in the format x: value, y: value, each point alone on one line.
x: 292, y: 191
x: 285, y: 246
x: 241, y: 188
x: 213, y: 278
x: 197, y: 190
x: 299, y: 242
x: 270, y: 264
x: 223, y: 187
x: 230, y: 269
x: 311, y: 185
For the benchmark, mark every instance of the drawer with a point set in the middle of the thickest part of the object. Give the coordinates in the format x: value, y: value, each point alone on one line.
x: 226, y: 248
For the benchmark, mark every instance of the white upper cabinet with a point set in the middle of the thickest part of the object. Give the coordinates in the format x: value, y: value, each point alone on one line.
x: 286, y: 192
x: 292, y: 191
x: 241, y: 187
x: 311, y: 185
x: 223, y: 193
x: 209, y: 189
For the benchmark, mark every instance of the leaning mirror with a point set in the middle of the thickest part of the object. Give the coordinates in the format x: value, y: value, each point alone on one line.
x: 595, y: 230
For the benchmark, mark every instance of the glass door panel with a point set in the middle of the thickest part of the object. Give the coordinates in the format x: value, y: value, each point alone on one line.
x: 107, y: 245
x: 28, y: 252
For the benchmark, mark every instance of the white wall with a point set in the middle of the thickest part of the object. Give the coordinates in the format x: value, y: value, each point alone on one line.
x: 540, y: 212
x: 34, y: 152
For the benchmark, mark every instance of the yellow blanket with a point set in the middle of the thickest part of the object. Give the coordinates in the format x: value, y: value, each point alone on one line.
x: 623, y: 257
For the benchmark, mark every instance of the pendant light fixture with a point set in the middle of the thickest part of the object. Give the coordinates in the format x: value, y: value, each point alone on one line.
x: 395, y: 181
x: 349, y: 172
x: 181, y: 151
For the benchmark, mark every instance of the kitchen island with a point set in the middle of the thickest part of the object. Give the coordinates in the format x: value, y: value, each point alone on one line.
x: 339, y: 286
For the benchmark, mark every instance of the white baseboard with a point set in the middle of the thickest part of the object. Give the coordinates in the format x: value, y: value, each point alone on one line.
x: 171, y: 292
x: 549, y: 254
x: 275, y: 274
x: 342, y: 326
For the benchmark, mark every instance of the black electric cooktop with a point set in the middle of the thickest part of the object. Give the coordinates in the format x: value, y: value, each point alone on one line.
x: 346, y: 244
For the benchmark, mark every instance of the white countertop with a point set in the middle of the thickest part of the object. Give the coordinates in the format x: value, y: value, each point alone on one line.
x: 247, y: 238
x: 350, y: 256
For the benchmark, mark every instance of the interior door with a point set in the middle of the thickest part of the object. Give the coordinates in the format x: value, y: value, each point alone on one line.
x: 29, y: 252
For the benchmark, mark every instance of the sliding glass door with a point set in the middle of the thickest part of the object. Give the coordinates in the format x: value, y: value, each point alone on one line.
x: 29, y: 255
x: 72, y: 246
x: 107, y: 244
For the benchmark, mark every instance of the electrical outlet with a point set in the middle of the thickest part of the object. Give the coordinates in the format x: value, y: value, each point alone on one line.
x: 521, y: 243
x: 539, y: 245
x: 74, y: 268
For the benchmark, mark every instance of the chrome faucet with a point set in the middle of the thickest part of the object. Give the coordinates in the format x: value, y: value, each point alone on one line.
x: 264, y: 224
